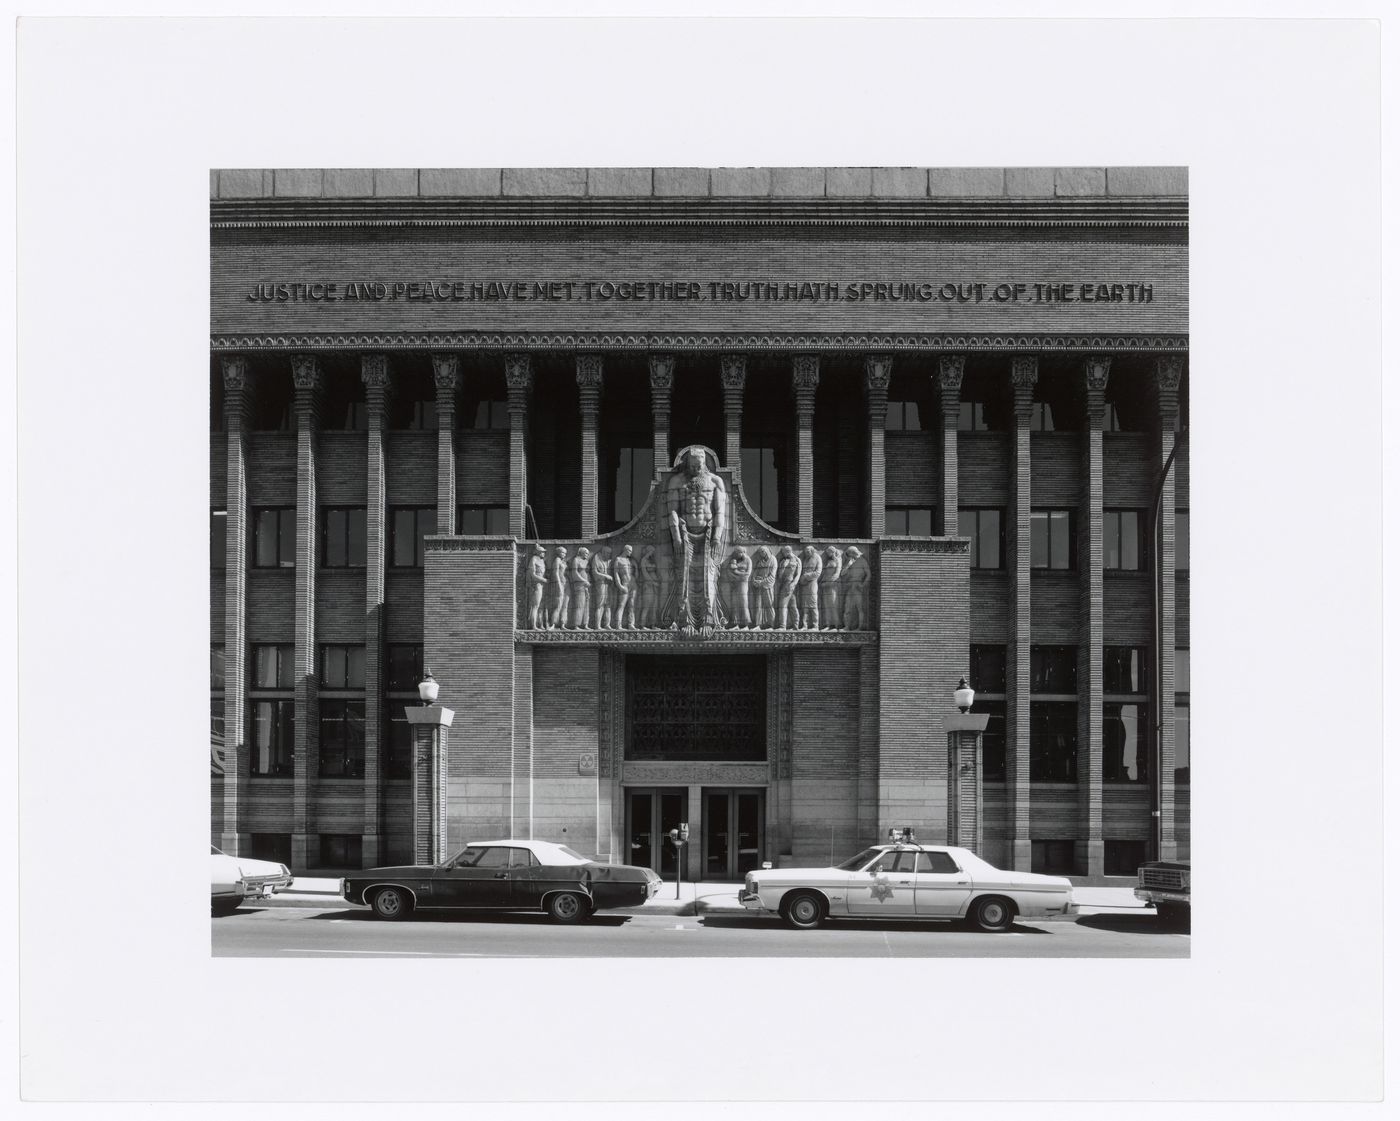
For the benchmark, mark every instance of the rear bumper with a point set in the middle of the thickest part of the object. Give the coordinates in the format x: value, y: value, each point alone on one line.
x: 1156, y: 895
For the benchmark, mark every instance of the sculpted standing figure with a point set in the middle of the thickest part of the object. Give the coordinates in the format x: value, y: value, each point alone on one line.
x: 830, y: 587
x: 536, y: 579
x: 807, y: 588
x: 649, y: 579
x: 789, y: 568
x: 625, y: 580
x: 578, y: 581
x: 855, y: 591
x: 697, y: 509
x: 559, y: 588
x: 737, y: 571
x: 602, y: 588
x: 765, y: 571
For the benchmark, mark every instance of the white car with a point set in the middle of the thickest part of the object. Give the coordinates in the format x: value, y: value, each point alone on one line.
x: 909, y: 881
x: 234, y: 879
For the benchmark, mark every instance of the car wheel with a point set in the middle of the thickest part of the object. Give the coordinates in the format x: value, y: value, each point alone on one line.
x: 993, y: 913
x: 567, y: 906
x: 392, y: 903
x: 224, y: 907
x: 804, y: 910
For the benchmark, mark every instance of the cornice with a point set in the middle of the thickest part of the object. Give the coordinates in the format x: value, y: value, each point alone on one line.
x: 950, y: 546
x: 768, y: 341
x: 1160, y: 212
x: 764, y: 639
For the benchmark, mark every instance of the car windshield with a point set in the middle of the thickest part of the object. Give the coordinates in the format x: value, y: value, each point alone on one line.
x: 859, y: 861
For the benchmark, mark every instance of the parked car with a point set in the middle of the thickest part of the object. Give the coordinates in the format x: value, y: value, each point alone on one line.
x: 907, y: 880
x: 504, y: 875
x: 236, y: 879
x: 1166, y: 885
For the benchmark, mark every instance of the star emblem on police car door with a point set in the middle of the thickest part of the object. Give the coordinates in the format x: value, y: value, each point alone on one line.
x: 881, y: 889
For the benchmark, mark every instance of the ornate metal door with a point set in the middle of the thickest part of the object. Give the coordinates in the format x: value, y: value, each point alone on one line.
x: 732, y: 833
x: 651, y: 815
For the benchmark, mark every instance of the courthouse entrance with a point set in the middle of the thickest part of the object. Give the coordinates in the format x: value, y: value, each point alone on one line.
x: 651, y: 815
x: 732, y: 833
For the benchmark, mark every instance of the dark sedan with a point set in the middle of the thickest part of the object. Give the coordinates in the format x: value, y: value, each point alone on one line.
x: 504, y: 876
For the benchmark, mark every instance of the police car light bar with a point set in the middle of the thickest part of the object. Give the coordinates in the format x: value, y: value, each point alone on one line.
x: 903, y: 836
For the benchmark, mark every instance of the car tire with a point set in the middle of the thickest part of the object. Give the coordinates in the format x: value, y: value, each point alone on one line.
x: 993, y: 914
x: 392, y: 903
x: 567, y: 907
x: 225, y: 907
x: 804, y: 910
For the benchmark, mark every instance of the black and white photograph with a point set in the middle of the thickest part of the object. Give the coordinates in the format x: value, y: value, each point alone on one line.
x: 712, y: 550
x: 731, y: 549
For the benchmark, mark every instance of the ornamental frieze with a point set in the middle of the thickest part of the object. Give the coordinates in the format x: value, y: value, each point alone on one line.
x: 708, y: 774
x: 686, y: 567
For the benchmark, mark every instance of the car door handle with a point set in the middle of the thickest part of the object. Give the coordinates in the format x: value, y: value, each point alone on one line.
x: 500, y: 875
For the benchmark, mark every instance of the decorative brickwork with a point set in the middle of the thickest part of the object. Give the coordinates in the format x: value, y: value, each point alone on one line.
x: 950, y: 376
x: 307, y: 379
x: 732, y: 373
x: 1091, y: 620
x: 1024, y: 372
x: 662, y: 368
x: 806, y: 371
x: 588, y: 372
x: 519, y: 379
x: 877, y: 388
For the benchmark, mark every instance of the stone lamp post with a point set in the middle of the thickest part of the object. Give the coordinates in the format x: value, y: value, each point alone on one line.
x: 965, y: 730
x: 430, y: 722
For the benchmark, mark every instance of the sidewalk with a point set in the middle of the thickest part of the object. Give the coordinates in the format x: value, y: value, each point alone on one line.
x: 691, y: 898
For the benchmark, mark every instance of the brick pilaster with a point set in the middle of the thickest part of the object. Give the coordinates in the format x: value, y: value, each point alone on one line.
x: 877, y: 394
x: 588, y: 372
x: 950, y: 375
x: 733, y: 369
x: 1169, y: 368
x: 1096, y: 369
x: 663, y: 371
x: 1024, y: 371
x: 307, y: 384
x: 237, y: 409
x: 806, y: 372
x: 447, y: 377
x: 519, y: 378
x: 374, y: 372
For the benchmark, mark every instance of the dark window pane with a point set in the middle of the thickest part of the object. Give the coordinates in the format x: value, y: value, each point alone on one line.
x: 472, y: 521
x: 398, y: 758
x: 1040, y: 539
x: 1122, y: 858
x: 218, y: 538
x: 1182, y: 753
x: 1123, y: 669
x: 1059, y: 538
x: 355, y: 667
x: 356, y: 550
x: 989, y: 551
x: 1130, y: 539
x: 972, y: 416
x: 335, y: 539
x: 1054, y: 669
x: 894, y: 415
x: 1124, y: 743
x: 265, y: 538
x: 1183, y: 540
x: 988, y: 669
x: 287, y: 539
x: 216, y: 667
x: 497, y: 520
x: 333, y: 666
x: 993, y: 739
x: 1054, y: 741
x: 1053, y: 857
x: 897, y: 522
x: 921, y: 523
x: 1182, y: 675
x: 405, y: 668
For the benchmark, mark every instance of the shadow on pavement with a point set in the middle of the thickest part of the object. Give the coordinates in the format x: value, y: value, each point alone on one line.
x: 721, y: 922
x: 1134, y: 924
x: 512, y: 918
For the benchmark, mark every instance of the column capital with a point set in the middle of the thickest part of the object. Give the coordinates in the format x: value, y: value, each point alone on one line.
x: 1169, y: 368
x: 374, y: 371
x: 806, y: 372
x: 1096, y: 371
x: 447, y: 373
x: 306, y: 371
x: 519, y: 375
x: 235, y: 371
x: 588, y: 371
x: 238, y: 388
x: 663, y: 371
x: 1025, y: 370
x: 733, y: 369
x: 950, y: 372
x: 877, y: 372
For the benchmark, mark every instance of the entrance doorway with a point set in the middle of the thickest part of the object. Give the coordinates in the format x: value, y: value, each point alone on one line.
x: 732, y: 832
x: 651, y: 815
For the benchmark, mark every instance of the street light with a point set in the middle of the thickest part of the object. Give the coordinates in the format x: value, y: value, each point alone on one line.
x: 428, y: 689
x: 963, y: 695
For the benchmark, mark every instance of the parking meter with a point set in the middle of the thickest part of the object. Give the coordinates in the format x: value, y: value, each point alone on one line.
x: 679, y: 836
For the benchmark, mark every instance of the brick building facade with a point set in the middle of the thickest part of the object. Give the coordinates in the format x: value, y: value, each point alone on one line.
x: 969, y: 384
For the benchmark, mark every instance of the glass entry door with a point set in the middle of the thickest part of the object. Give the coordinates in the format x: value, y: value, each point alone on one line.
x: 732, y: 833
x: 651, y: 815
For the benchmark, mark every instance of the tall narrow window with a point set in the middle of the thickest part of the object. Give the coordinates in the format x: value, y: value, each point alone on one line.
x: 408, y: 525
x: 1052, y: 539
x: 342, y: 743
x: 403, y: 671
x: 1054, y: 722
x: 1042, y: 417
x: 490, y: 415
x: 343, y: 537
x: 902, y: 416
x: 342, y: 667
x: 631, y: 483
x: 1183, y: 540
x: 218, y: 538
x: 987, y: 665
x: 1122, y: 540
x: 983, y: 526
x: 761, y: 481
x: 275, y: 537
x: 273, y: 739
